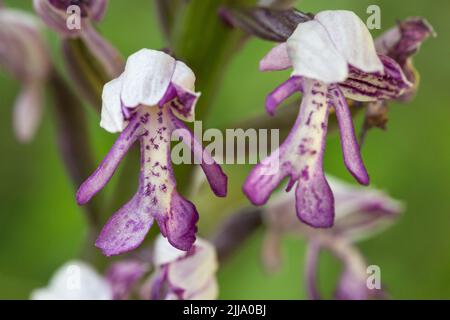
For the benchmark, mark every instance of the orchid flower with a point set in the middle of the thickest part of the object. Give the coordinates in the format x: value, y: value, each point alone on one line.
x: 146, y: 103
x: 23, y: 53
x: 360, y: 214
x: 333, y: 58
x: 78, y: 24
x: 75, y: 280
x: 183, y: 275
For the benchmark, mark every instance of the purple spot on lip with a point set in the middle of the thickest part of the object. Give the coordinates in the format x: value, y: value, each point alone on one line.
x: 305, y: 174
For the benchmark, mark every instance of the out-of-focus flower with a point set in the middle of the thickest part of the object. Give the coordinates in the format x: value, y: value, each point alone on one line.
x: 146, y: 103
x: 75, y: 280
x: 124, y: 277
x: 360, y: 213
x: 58, y: 15
x: 333, y: 58
x: 23, y: 53
x: 183, y: 275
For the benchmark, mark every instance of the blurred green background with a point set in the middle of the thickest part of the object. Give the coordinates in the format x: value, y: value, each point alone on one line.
x: 41, y: 226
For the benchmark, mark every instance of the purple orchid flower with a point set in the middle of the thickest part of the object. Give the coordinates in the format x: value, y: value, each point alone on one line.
x: 360, y: 214
x: 24, y: 54
x: 333, y: 57
x: 146, y: 103
x: 54, y: 14
x: 183, y: 275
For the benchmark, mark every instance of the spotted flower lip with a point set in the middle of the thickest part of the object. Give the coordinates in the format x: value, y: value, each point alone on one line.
x: 360, y: 213
x: 333, y: 58
x: 183, y: 275
x: 89, y: 285
x: 146, y: 103
x: 23, y: 53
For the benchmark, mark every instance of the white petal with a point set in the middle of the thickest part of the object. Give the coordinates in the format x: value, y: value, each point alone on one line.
x: 276, y: 59
x: 146, y: 78
x: 184, y: 76
x: 314, y: 55
x: 194, y: 272
x: 75, y: 281
x: 164, y: 252
x: 112, y: 117
x: 351, y: 38
x: 209, y: 292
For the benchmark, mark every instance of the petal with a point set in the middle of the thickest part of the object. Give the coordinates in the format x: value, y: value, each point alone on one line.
x: 404, y: 40
x: 284, y: 91
x: 106, y: 169
x: 123, y: 276
x: 194, y: 272
x: 97, y: 9
x: 164, y: 252
x: 184, y: 102
x: 179, y: 223
x: 217, y: 179
x: 351, y: 38
x: 146, y: 79
x: 54, y: 18
x: 314, y: 55
x: 181, y: 93
x: 183, y: 76
x: 127, y: 228
x: 361, y: 86
x: 106, y: 54
x: 311, y: 268
x: 210, y: 291
x: 24, y: 52
x: 276, y: 59
x: 362, y: 212
x: 349, y: 144
x: 351, y: 287
x: 75, y: 280
x: 271, y: 251
x: 112, y: 118
x: 28, y: 111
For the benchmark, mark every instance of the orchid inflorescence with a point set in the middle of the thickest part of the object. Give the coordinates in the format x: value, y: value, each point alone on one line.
x: 336, y: 66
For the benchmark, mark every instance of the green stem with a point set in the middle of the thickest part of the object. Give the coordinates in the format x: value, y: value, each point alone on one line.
x: 76, y: 151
